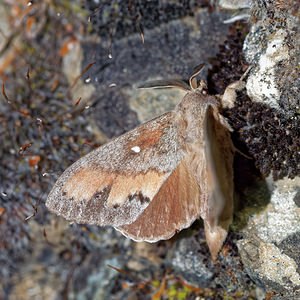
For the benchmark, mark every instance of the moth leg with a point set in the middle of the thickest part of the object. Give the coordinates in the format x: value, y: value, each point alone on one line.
x: 229, y: 96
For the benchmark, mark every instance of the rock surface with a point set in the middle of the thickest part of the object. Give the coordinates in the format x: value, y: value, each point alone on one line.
x: 270, y: 247
x: 45, y: 257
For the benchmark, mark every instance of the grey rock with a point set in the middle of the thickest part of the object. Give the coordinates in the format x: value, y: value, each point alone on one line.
x: 187, y: 260
x: 235, y: 4
x: 273, y: 48
x: 297, y: 198
x: 270, y: 248
x: 240, y: 9
x: 170, y: 50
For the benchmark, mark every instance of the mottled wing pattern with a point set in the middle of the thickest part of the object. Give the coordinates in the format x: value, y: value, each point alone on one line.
x: 174, y: 207
x: 219, y: 156
x: 115, y: 183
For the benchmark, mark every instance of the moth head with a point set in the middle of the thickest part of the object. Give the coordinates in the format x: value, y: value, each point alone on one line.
x: 194, y: 83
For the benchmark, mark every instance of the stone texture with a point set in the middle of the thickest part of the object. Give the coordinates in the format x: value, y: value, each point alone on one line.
x: 272, y: 47
x: 171, y: 50
x: 71, y: 67
x: 234, y: 4
x: 270, y: 249
x: 47, y: 257
x: 268, y: 123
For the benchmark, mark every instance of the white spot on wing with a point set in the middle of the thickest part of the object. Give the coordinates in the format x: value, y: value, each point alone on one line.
x: 136, y: 149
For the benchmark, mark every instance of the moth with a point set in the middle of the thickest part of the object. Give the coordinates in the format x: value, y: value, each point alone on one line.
x: 159, y: 178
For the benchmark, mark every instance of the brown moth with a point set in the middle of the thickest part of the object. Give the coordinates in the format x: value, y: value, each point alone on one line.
x: 159, y: 178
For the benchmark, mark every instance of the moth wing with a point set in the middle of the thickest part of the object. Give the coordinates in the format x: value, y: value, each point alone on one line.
x: 183, y: 198
x: 218, y: 212
x: 114, y: 184
x: 174, y: 207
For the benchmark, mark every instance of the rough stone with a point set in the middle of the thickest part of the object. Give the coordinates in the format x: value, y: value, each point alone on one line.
x: 170, y: 50
x: 54, y: 259
x: 272, y: 48
x: 269, y: 249
x: 268, y: 123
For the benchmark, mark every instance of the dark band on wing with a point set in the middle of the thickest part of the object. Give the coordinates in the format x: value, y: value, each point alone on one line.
x: 94, y: 211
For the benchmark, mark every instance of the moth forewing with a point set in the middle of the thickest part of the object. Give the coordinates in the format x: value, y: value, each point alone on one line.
x: 113, y: 185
